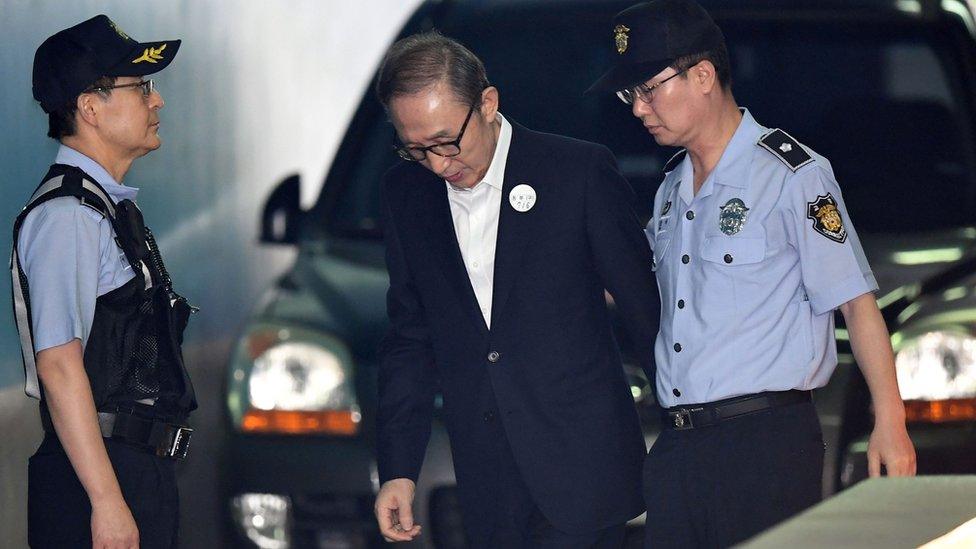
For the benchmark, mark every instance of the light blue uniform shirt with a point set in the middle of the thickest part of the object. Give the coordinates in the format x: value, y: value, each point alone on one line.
x: 69, y: 255
x: 750, y: 311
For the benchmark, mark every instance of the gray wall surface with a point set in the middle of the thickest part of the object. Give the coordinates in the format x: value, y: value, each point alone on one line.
x: 258, y: 91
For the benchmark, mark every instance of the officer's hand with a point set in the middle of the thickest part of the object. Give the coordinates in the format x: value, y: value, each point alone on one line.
x: 890, y: 446
x: 394, y: 510
x: 113, y: 526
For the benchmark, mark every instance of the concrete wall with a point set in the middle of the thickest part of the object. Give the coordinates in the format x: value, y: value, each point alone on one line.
x: 259, y: 90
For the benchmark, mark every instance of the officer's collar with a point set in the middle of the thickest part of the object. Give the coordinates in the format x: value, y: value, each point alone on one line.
x: 71, y: 157
x: 733, y: 168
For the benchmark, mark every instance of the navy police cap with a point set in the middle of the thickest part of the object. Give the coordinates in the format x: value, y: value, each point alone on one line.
x: 70, y: 61
x: 648, y: 37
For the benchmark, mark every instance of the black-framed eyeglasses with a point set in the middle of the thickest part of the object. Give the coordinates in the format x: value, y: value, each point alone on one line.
x: 644, y: 92
x: 147, y: 87
x: 449, y: 149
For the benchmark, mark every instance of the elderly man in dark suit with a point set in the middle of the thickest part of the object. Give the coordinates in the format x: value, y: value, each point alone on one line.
x: 500, y: 244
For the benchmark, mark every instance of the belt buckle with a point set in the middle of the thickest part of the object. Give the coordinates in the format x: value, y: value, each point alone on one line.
x: 681, y: 419
x: 179, y: 444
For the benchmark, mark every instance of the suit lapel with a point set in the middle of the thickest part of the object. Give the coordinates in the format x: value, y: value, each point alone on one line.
x: 444, y: 247
x: 513, y: 226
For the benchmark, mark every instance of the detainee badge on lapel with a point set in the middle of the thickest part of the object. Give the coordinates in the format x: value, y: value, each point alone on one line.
x: 522, y: 198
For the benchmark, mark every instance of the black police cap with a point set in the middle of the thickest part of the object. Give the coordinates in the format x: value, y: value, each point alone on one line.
x: 648, y: 37
x: 70, y: 61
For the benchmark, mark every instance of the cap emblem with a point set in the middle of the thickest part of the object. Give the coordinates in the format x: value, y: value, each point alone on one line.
x: 620, y: 37
x: 151, y: 55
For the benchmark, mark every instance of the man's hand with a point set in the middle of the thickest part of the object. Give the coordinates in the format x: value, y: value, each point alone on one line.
x: 113, y: 526
x: 890, y: 446
x: 394, y: 510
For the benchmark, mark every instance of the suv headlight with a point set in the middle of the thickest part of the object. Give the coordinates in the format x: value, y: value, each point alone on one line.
x: 937, y: 376
x: 292, y: 380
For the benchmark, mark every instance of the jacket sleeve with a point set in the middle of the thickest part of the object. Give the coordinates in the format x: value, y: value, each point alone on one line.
x: 407, y: 379
x: 622, y: 255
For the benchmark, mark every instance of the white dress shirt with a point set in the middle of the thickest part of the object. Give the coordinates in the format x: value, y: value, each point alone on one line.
x: 475, y: 213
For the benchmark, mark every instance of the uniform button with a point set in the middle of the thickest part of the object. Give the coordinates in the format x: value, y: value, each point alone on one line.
x: 677, y: 347
x: 681, y: 304
x: 493, y: 357
x: 685, y: 259
x: 689, y: 215
x: 728, y: 258
x: 489, y: 417
x: 675, y: 392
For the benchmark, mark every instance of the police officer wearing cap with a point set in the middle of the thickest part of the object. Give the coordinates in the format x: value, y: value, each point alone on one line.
x: 99, y: 321
x: 754, y: 251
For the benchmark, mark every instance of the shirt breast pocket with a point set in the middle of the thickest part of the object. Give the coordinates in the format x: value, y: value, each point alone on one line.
x: 733, y: 251
x: 729, y: 266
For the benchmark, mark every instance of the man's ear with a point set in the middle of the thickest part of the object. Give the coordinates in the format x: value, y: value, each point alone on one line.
x: 88, y: 108
x: 703, y: 75
x: 489, y: 103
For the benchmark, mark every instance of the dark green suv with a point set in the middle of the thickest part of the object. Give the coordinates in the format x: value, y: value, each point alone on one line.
x: 885, y: 90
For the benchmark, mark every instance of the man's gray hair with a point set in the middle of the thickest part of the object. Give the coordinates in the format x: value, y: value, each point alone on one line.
x: 420, y: 61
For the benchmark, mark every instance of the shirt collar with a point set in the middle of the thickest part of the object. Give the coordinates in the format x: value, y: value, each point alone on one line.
x: 733, y: 168
x: 495, y: 176
x: 118, y: 192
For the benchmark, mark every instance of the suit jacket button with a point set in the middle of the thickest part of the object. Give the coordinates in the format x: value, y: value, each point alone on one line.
x: 493, y: 357
x: 489, y: 417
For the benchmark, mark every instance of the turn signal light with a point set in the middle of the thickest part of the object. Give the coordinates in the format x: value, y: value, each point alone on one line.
x: 940, y: 411
x: 288, y: 422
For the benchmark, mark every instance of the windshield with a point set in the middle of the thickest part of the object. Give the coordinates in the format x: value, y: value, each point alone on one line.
x: 884, y: 101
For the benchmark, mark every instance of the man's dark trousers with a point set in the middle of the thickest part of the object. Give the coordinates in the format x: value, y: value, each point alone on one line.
x: 720, y: 485
x: 58, y: 510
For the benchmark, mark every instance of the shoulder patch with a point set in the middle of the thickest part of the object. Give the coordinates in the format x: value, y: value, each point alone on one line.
x: 826, y: 218
x: 675, y: 160
x: 787, y: 149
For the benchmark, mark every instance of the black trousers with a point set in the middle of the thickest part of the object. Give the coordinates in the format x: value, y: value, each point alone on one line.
x: 517, y: 522
x: 720, y: 485
x: 58, y: 510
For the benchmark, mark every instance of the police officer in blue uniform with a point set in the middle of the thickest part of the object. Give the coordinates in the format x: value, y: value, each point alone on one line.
x: 754, y: 251
x: 99, y: 321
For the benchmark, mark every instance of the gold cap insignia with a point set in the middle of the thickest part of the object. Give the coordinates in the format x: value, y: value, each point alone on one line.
x: 151, y: 55
x: 620, y: 37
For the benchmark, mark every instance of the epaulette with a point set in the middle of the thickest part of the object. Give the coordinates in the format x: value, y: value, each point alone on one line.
x: 787, y: 149
x: 675, y: 160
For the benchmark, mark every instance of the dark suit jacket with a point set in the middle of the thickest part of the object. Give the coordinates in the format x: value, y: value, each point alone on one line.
x: 557, y: 384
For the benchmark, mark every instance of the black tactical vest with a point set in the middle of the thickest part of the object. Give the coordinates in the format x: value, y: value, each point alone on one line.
x: 133, y: 351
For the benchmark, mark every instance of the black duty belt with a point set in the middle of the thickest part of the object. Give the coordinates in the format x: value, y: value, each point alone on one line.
x: 161, y: 438
x: 681, y: 418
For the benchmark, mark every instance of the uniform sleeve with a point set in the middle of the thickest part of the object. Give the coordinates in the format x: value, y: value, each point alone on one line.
x: 833, y: 265
x: 59, y: 252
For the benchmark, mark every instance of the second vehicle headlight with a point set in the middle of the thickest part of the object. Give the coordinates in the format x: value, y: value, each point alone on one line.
x: 937, y: 366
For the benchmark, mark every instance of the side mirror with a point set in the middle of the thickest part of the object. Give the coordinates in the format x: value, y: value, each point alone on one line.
x: 281, y: 219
